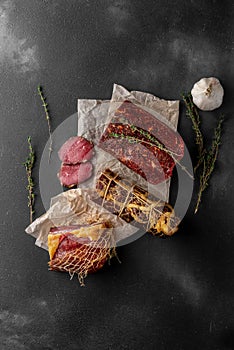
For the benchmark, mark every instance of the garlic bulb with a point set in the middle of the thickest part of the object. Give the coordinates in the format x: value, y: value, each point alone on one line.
x: 207, y: 94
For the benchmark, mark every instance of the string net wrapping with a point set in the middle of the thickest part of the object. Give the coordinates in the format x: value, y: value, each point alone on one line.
x: 135, y: 205
x: 82, y: 255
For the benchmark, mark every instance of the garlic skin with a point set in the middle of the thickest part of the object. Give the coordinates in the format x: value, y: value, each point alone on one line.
x: 207, y: 94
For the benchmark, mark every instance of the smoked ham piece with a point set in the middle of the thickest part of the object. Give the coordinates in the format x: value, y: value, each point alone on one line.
x: 142, y: 142
x: 80, y: 249
x: 75, y: 150
x: 135, y: 205
x: 70, y: 175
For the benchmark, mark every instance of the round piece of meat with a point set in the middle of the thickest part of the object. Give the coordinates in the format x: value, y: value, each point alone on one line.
x: 70, y: 175
x: 75, y: 150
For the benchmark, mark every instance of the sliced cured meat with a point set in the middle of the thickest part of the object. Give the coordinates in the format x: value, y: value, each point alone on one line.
x: 80, y: 250
x: 70, y: 175
x: 75, y: 150
x: 142, y: 143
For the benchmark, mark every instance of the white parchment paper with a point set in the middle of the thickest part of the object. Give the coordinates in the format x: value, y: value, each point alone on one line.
x: 74, y: 207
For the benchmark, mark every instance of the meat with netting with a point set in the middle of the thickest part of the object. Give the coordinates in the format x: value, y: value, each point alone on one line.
x: 80, y: 250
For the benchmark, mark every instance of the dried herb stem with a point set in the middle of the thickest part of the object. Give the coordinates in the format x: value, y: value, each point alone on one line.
x: 192, y: 113
x: 209, y: 161
x: 47, y: 115
x: 29, y: 164
x: 154, y: 140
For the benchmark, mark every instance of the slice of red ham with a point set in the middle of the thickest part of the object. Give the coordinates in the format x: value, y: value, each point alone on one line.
x: 75, y: 150
x: 70, y: 175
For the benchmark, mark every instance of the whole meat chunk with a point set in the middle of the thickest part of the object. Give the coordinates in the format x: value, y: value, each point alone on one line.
x: 75, y: 150
x: 142, y: 142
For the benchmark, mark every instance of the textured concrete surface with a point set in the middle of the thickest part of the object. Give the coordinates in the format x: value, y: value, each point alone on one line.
x: 167, y: 294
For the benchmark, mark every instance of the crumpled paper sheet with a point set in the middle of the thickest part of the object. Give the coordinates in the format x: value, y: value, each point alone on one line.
x: 74, y: 207
x: 95, y: 115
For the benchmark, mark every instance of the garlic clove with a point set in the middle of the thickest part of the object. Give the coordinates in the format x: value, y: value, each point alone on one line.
x: 207, y: 94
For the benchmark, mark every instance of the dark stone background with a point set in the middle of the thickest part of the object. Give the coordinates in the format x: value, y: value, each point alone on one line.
x: 166, y: 294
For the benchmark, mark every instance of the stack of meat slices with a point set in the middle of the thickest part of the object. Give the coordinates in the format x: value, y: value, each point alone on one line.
x: 76, y: 167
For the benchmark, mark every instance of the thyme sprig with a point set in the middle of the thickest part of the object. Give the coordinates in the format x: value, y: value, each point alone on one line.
x: 206, y: 157
x: 29, y: 164
x: 154, y: 140
x: 47, y: 115
x: 209, y: 161
x: 192, y: 113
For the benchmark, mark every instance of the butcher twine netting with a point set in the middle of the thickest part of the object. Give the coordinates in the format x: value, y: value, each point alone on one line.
x: 86, y: 258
